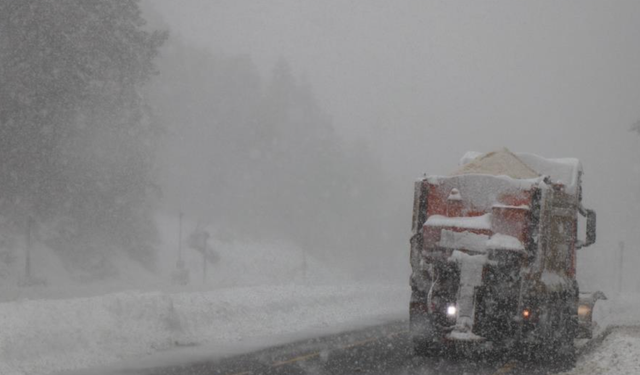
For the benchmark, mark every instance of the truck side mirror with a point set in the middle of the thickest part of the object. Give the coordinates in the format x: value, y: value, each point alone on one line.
x: 591, y: 229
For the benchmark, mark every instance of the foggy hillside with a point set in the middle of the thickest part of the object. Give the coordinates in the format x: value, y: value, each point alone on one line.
x: 256, y: 158
x: 303, y: 186
x: 110, y: 129
x: 77, y: 147
x: 421, y: 83
x: 302, y: 122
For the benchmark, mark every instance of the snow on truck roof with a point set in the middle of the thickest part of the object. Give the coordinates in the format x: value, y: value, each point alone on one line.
x: 498, y: 163
x: 503, y: 162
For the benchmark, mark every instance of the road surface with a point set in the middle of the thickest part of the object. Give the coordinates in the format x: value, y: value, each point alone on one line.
x: 383, y: 350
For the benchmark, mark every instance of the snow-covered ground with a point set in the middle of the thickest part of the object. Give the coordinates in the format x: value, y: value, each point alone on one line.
x: 239, y: 263
x: 45, y: 336
x: 619, y: 310
x: 254, y: 290
x: 619, y: 354
x: 255, y: 293
x: 51, y: 335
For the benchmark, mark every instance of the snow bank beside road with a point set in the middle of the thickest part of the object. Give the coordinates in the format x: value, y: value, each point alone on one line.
x: 618, y: 355
x: 618, y: 352
x: 619, y: 309
x: 45, y: 336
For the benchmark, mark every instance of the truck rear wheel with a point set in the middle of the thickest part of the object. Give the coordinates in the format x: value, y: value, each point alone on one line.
x: 423, y: 347
x: 566, y: 357
x: 561, y: 349
x: 564, y: 349
x: 426, y: 335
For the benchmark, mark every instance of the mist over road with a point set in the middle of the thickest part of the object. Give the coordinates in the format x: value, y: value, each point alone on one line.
x: 227, y: 187
x: 384, y: 349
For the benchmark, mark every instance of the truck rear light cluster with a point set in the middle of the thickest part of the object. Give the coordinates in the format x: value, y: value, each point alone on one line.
x: 584, y: 310
x: 451, y: 311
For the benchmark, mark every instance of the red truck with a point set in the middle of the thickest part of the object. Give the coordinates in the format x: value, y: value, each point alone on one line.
x: 493, y: 256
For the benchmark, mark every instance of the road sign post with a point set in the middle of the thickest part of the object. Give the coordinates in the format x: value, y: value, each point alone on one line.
x: 621, y: 266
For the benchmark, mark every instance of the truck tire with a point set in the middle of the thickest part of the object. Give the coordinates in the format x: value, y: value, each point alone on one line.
x: 566, y: 354
x: 560, y: 354
x: 426, y: 336
x: 425, y: 348
x: 561, y: 350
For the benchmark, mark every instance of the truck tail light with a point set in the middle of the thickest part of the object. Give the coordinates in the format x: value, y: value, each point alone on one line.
x: 584, y: 310
x: 451, y: 311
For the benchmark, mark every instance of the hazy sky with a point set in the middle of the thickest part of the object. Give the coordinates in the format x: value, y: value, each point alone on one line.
x: 424, y: 81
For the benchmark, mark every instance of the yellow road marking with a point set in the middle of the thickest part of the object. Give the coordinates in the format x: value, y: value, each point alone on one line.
x: 313, y: 355
x: 359, y: 343
x: 397, y: 333
x: 506, y: 368
x: 296, y: 359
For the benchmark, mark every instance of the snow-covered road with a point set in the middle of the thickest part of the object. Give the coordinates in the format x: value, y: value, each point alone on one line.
x: 618, y: 354
x: 48, y: 336
x: 51, y: 335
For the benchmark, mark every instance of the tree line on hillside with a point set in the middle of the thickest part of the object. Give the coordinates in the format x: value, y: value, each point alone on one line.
x: 259, y: 158
x: 92, y: 141
x: 77, y: 144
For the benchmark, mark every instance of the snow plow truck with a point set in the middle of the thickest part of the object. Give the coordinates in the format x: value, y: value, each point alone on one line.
x: 493, y: 256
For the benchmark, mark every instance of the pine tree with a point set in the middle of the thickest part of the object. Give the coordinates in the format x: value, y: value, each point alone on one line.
x: 76, y: 143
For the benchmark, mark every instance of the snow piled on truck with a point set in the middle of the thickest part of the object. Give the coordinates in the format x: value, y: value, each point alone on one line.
x: 498, y: 163
x: 566, y: 171
x: 463, y: 240
x: 483, y: 191
x: 505, y: 242
x: 466, y: 222
x: 471, y: 267
x: 480, y: 243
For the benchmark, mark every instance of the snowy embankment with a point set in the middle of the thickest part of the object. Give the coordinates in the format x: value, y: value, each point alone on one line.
x: 45, y: 336
x: 617, y: 355
x: 252, y: 290
x: 619, y: 310
x: 619, y: 352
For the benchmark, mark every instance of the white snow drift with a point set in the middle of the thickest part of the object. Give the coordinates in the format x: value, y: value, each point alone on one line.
x: 45, y: 336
